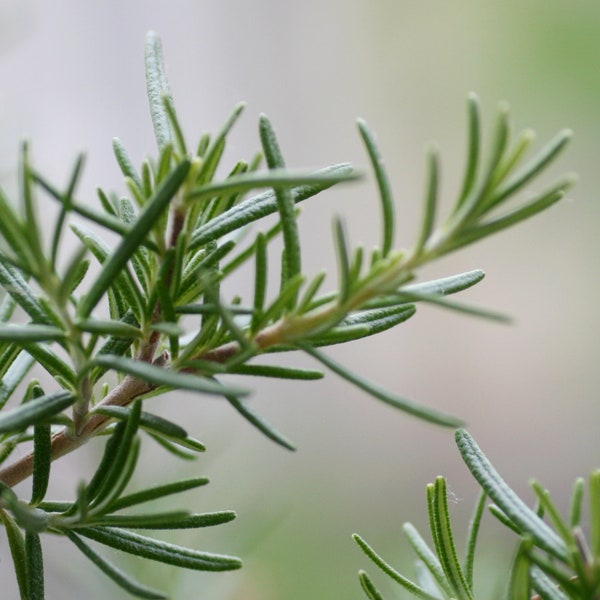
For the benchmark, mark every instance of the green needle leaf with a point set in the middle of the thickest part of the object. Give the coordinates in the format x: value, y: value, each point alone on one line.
x: 551, y: 513
x: 177, y: 133
x: 285, y: 206
x: 153, y: 423
x: 65, y: 208
x: 369, y: 587
x: 277, y: 372
x: 164, y: 377
x: 544, y: 586
x: 160, y: 491
x: 519, y: 580
x: 125, y: 163
x: 14, y: 375
x: 260, y: 280
x: 385, y: 191
x: 105, y: 327
x: 533, y: 168
x: 185, y: 448
x: 108, y: 221
x: 7, y: 308
x: 364, y: 324
x: 18, y: 552
x: 260, y: 423
x: 157, y: 87
x: 431, y: 198
x: 499, y: 143
x: 444, y: 540
x: 13, y: 282
x: 148, y: 420
x: 535, y: 206
x: 35, y: 566
x: 29, y: 208
x: 119, y: 577
x: 121, y: 452
x: 260, y: 206
x: 152, y: 549
x: 341, y: 246
x: 430, y: 560
x: 412, y: 408
x: 576, y: 503
x: 75, y: 272
x: 594, y: 504
x: 34, y: 411
x: 276, y: 177
x: 413, y: 588
x: 42, y: 453
x: 14, y: 233
x: 124, y: 287
x: 23, y: 334
x: 472, y: 148
x: 138, y: 232
x: 445, y: 285
x: 474, y: 524
x: 163, y: 521
x: 512, y: 506
x: 214, y: 152
x: 474, y: 311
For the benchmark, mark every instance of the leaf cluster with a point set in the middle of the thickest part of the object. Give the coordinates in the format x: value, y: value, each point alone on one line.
x: 555, y: 558
x: 97, y: 513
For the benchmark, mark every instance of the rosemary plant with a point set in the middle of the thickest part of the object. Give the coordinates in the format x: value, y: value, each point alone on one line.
x: 153, y: 318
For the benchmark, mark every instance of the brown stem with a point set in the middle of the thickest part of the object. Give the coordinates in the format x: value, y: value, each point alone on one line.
x: 65, y: 441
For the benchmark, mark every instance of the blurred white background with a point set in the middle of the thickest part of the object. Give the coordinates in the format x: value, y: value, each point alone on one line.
x: 72, y: 78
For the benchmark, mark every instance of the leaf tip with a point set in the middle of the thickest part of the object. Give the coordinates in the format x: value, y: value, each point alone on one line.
x: 472, y: 98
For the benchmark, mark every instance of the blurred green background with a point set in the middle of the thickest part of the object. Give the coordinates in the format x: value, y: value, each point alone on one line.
x: 72, y: 75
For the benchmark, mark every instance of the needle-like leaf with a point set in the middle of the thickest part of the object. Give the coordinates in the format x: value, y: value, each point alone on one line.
x: 14, y: 375
x: 34, y: 411
x: 472, y: 161
x: 369, y: 587
x: 160, y: 491
x: 431, y: 199
x: 341, y: 246
x: 160, y: 376
x: 16, y: 543
x: 152, y: 549
x: 412, y: 587
x: 122, y: 579
x: 257, y: 207
x: 171, y: 520
x: 444, y: 541
x: 35, y: 566
x: 514, y: 508
x: 14, y: 283
x: 125, y: 163
x: 474, y: 524
x: 261, y: 424
x: 157, y: 87
x: 291, y: 266
x: 24, y: 334
x: 153, y: 423
x: 42, y: 454
x: 412, y: 408
x: 430, y: 560
x: 277, y: 372
x: 383, y: 184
